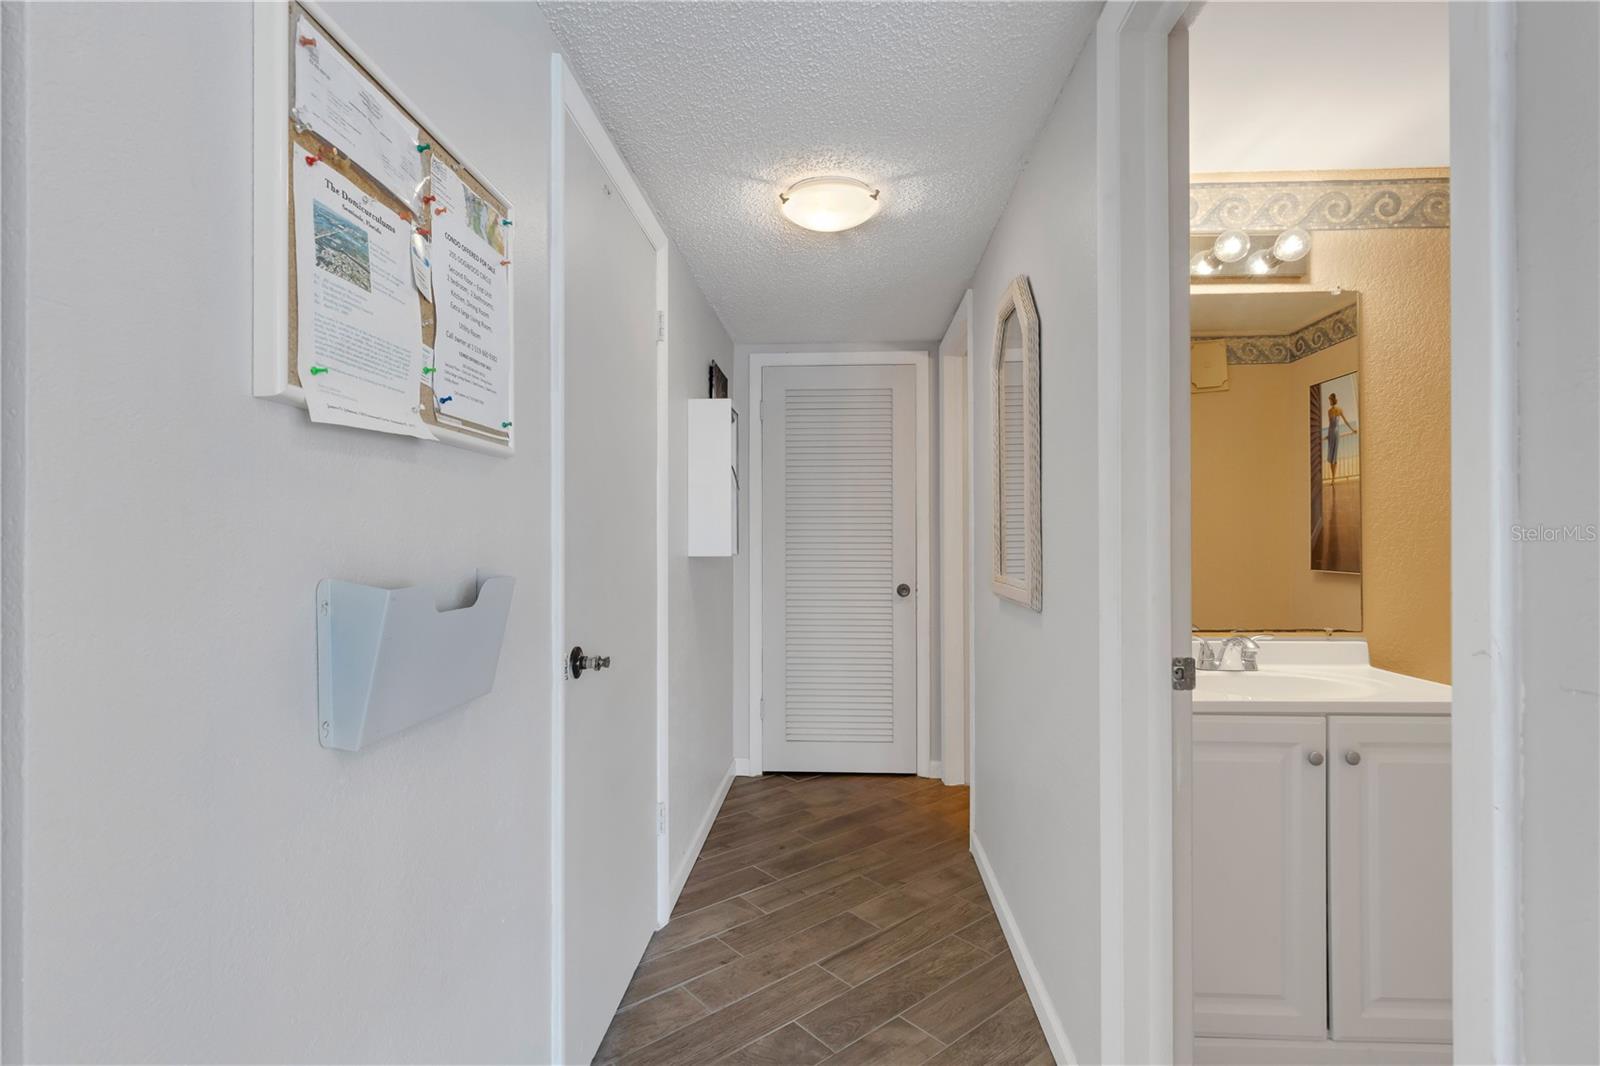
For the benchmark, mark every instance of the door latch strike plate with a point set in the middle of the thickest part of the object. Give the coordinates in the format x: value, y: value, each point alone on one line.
x: 1183, y: 674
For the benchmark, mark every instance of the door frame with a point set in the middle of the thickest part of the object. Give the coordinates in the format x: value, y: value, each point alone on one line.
x: 567, y: 99
x: 1142, y: 90
x: 921, y: 360
x: 955, y: 538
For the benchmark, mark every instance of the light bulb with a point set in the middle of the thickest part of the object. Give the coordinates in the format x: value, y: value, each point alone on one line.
x: 1204, y: 264
x: 1262, y: 262
x: 1231, y: 246
x: 1291, y: 245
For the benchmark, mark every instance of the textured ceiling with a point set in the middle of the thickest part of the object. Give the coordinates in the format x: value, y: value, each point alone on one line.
x: 718, y: 106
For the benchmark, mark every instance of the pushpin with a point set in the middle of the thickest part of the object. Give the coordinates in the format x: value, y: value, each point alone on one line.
x: 445, y: 399
x: 312, y: 160
x: 308, y: 42
x: 423, y: 147
x: 318, y: 370
x: 505, y: 222
x: 430, y: 198
x: 505, y: 262
x: 505, y: 425
x: 440, y: 210
x: 427, y: 370
x: 424, y: 231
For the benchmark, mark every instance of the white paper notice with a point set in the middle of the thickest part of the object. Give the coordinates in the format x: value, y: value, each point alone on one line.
x: 422, y: 266
x: 338, y: 103
x: 472, y: 353
x: 359, y: 352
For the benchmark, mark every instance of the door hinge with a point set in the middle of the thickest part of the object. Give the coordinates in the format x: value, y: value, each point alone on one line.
x: 661, y: 325
x: 661, y: 819
x: 1183, y: 674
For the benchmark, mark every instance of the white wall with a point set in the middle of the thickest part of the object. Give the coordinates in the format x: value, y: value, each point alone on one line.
x: 1558, y: 397
x: 749, y: 421
x: 700, y: 591
x: 1036, y: 747
x: 188, y: 875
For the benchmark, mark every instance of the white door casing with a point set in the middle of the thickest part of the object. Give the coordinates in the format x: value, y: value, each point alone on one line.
x: 955, y: 489
x: 608, y: 426
x: 1389, y: 878
x: 758, y: 364
x: 1260, y: 854
x: 838, y: 447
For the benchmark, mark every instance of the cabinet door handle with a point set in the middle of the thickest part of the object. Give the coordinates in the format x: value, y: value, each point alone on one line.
x: 1315, y: 758
x: 1353, y: 757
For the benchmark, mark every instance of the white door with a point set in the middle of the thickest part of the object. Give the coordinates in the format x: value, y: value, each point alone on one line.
x: 839, y: 562
x: 1389, y: 877
x: 609, y: 772
x: 1260, y: 934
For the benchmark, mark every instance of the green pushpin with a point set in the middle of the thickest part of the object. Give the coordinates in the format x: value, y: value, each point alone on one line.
x: 505, y: 222
x: 427, y: 370
x: 318, y: 370
x: 423, y: 147
x: 505, y: 425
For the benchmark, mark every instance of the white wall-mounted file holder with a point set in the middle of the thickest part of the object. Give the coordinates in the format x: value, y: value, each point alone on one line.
x: 388, y: 658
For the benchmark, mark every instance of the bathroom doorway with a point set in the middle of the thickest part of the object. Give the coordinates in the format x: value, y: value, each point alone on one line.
x: 1144, y: 407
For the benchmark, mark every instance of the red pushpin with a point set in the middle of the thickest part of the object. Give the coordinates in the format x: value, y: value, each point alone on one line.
x: 505, y: 262
x: 440, y: 210
x: 429, y: 199
x: 308, y: 42
x: 426, y: 232
x: 312, y: 160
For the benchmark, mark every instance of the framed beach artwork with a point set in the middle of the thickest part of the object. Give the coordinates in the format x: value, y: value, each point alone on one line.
x: 1335, y: 470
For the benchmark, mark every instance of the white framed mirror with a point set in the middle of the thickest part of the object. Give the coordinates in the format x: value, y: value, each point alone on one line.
x: 1018, y: 566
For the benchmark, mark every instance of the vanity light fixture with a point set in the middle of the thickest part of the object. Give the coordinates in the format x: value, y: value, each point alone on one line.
x: 1235, y: 254
x: 829, y: 204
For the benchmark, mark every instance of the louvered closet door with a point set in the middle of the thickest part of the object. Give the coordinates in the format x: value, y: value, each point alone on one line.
x: 839, y: 533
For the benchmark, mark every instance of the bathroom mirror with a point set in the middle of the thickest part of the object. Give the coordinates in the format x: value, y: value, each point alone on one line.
x: 1018, y: 553
x: 1275, y: 432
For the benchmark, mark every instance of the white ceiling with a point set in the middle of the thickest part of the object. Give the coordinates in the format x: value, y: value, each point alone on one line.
x: 1318, y: 86
x: 718, y: 106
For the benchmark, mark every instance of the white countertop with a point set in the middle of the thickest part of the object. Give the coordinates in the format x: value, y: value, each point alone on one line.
x: 1315, y: 677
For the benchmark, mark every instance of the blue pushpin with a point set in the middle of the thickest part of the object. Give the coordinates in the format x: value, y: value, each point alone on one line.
x: 505, y: 222
x: 445, y: 399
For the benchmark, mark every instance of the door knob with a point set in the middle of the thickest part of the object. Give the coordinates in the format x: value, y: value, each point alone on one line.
x: 1315, y: 758
x: 902, y: 590
x: 577, y: 662
x: 1353, y: 758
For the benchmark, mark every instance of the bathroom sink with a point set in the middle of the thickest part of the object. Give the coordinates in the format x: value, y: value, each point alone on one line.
x: 1307, y: 676
x: 1286, y: 684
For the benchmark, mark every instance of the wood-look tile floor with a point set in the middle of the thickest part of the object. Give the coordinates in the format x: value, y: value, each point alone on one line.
x: 830, y: 918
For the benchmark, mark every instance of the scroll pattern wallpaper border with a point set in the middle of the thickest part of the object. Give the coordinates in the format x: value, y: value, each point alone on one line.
x: 1310, y: 339
x: 1393, y: 203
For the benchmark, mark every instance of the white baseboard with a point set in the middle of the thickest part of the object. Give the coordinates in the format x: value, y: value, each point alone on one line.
x: 681, y: 874
x: 1049, y: 1019
x: 741, y: 768
x: 936, y: 769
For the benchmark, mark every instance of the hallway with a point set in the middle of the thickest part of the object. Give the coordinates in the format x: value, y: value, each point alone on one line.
x: 830, y: 918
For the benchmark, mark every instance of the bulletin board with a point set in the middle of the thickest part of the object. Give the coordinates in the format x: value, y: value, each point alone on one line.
x: 283, y: 143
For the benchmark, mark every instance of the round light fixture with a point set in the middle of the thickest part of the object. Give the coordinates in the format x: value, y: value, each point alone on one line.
x: 1231, y: 246
x: 1291, y: 245
x: 1204, y: 264
x: 828, y: 205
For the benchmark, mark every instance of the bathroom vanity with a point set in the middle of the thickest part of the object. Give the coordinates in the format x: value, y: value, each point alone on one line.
x: 1319, y: 820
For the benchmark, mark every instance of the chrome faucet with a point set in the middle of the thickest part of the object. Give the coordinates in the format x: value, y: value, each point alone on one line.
x: 1207, y: 658
x: 1249, y: 650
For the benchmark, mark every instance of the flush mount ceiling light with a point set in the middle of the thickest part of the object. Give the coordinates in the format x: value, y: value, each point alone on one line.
x: 828, y: 205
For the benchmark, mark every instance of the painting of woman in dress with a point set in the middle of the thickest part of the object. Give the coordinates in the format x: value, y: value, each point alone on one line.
x: 1336, y: 475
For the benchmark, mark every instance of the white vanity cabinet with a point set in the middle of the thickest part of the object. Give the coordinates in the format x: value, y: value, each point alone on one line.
x: 1321, y: 887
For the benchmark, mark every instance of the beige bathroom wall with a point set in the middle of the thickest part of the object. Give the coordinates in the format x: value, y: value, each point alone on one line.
x: 1403, y: 278
x: 1251, y: 533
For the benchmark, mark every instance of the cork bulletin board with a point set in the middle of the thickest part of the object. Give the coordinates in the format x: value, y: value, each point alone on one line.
x: 281, y: 144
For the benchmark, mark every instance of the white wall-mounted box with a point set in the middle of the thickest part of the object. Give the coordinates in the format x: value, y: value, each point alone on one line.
x: 713, y: 457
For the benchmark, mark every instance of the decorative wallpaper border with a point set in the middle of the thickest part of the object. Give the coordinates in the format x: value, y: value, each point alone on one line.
x: 1319, y: 336
x: 1394, y: 203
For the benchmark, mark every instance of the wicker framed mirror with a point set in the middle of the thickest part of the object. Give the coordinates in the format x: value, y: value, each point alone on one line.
x: 1018, y: 565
